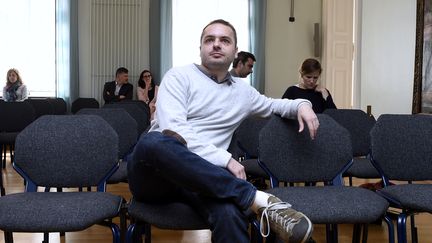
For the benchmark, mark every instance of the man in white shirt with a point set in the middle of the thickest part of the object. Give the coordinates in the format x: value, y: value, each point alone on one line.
x: 184, y: 156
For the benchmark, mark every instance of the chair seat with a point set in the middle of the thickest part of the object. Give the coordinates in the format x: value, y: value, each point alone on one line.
x: 252, y: 168
x: 56, y: 212
x: 417, y: 197
x: 334, y: 204
x: 362, y: 168
x: 120, y: 175
x: 174, y: 215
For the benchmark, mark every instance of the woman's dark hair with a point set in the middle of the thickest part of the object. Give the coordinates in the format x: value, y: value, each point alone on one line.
x: 141, y: 82
x: 310, y: 65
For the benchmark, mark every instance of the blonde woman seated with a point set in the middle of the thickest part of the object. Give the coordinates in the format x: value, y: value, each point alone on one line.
x: 147, y: 90
x: 309, y: 87
x: 14, y: 90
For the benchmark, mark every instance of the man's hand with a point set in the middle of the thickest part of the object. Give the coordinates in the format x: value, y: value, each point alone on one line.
x: 305, y: 114
x: 236, y: 169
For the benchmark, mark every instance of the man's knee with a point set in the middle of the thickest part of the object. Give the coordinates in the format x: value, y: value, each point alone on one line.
x: 148, y: 143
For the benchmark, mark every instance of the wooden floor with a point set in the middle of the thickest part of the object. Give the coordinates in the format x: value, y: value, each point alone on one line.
x: 98, y: 234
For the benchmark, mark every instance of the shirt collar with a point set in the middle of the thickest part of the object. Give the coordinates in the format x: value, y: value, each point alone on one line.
x: 228, y: 78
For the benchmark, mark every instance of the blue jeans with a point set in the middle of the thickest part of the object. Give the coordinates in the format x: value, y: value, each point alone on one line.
x: 162, y: 169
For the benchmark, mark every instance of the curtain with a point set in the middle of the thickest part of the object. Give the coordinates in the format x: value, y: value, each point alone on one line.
x: 67, y: 81
x: 160, y: 37
x: 257, y: 24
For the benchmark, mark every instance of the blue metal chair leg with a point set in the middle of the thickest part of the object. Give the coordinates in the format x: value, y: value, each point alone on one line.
x: 115, y: 232
x: 390, y: 228
x: 414, y: 235
x: 401, y: 228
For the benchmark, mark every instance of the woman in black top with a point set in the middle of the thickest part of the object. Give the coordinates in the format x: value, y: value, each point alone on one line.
x: 309, y: 89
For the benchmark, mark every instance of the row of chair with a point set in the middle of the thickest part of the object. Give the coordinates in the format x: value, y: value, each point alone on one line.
x: 83, y: 127
x: 17, y: 115
x: 395, y: 147
x: 292, y: 157
x: 119, y: 118
x: 287, y: 156
x: 186, y: 218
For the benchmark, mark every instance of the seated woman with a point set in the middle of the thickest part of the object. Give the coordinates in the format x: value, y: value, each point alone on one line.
x: 14, y: 90
x: 309, y: 89
x: 147, y: 91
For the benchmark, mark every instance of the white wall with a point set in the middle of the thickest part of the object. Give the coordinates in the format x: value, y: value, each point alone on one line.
x: 288, y: 43
x: 111, y: 35
x: 387, y: 55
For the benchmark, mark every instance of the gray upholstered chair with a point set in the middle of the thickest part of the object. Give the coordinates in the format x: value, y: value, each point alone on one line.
x: 145, y: 215
x: 59, y: 105
x: 41, y: 106
x: 244, y: 148
x: 81, y: 103
x: 173, y: 216
x: 136, y: 111
x: 358, y: 124
x: 402, y: 151
x: 126, y: 128
x: 63, y: 152
x: 293, y: 157
x: 15, y: 116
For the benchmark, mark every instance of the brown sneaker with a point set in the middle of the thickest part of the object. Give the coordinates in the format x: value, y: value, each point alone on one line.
x: 175, y: 135
x: 287, y: 223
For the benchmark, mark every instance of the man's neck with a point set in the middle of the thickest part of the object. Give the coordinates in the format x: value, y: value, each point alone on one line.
x: 219, y: 73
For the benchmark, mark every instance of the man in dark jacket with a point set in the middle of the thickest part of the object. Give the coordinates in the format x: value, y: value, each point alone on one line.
x: 119, y: 89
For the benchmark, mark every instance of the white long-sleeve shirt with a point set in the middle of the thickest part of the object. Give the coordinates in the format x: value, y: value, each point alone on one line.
x: 206, y: 113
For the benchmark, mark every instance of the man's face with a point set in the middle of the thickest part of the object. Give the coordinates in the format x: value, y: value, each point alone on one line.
x: 217, y: 48
x: 123, y: 78
x: 245, y: 69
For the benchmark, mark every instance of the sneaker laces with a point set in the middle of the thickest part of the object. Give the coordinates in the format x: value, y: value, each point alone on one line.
x: 287, y: 221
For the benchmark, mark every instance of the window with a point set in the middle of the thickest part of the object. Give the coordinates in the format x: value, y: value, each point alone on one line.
x: 189, y: 18
x: 28, y: 43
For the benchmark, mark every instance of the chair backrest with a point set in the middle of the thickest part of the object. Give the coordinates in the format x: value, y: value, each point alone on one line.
x: 59, y: 105
x: 139, y: 103
x: 402, y: 146
x: 247, y: 135
x: 81, y: 103
x: 15, y: 116
x: 358, y: 124
x: 66, y: 151
x: 41, y: 107
x: 141, y: 116
x: 294, y: 157
x: 121, y: 121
